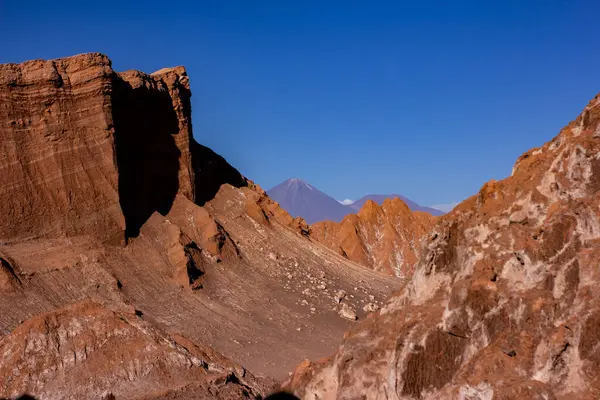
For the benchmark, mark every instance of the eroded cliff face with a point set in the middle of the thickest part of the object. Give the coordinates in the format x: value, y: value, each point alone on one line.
x: 90, y: 151
x: 504, y: 301
x: 58, y: 173
x: 385, y: 238
x: 131, y: 251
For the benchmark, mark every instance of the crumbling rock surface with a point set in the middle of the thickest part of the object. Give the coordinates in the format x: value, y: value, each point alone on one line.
x: 385, y: 238
x: 117, y: 224
x: 88, y: 351
x: 504, y: 301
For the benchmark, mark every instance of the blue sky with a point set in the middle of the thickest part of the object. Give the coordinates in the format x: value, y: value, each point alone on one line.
x: 425, y: 98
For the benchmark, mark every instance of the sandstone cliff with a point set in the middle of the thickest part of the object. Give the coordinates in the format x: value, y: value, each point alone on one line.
x: 504, y: 301
x: 129, y: 251
x: 385, y: 238
x: 90, y: 151
x: 58, y: 173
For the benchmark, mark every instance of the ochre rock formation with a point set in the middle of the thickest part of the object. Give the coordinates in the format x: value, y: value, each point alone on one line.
x: 385, y: 238
x: 504, y: 301
x: 129, y: 251
x: 88, y: 351
x: 58, y: 173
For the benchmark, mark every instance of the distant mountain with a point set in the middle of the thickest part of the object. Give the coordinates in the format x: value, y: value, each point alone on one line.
x: 303, y: 200
x: 379, y: 198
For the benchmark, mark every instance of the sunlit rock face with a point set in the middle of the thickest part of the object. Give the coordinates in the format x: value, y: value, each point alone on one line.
x: 504, y: 302
x: 385, y: 238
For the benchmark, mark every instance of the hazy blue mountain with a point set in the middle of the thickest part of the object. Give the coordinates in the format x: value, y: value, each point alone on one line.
x: 303, y: 200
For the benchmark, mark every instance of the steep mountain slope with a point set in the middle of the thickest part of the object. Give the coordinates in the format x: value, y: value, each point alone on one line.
x: 303, y: 200
x: 380, y: 198
x: 137, y: 263
x: 504, y: 301
x: 385, y: 238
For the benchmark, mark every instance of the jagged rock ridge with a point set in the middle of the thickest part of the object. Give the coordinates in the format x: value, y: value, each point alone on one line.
x: 385, y: 238
x: 380, y: 198
x: 504, y: 301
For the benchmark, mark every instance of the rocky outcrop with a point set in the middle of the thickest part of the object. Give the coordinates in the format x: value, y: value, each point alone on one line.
x: 90, y: 351
x: 90, y: 151
x: 122, y: 239
x: 503, y: 303
x: 385, y: 238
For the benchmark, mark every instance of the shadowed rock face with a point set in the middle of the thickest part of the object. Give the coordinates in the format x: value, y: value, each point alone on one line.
x: 210, y: 172
x: 504, y: 301
x: 129, y: 251
x: 145, y: 124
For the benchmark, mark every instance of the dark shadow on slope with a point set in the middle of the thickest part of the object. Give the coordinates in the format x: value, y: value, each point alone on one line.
x: 281, y: 396
x: 147, y: 156
x: 210, y: 172
x: 23, y: 397
x: 8, y: 270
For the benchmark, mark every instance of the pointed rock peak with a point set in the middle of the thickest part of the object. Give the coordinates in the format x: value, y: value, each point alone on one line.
x: 370, y: 207
x: 298, y: 182
x: 303, y: 200
x: 589, y: 118
x: 396, y: 203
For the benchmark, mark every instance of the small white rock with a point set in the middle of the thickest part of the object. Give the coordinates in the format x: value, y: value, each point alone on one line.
x: 518, y: 217
x: 340, y: 295
x: 347, y: 312
x: 369, y: 308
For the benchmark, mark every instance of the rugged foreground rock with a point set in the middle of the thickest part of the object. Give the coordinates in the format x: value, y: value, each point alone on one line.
x: 504, y: 301
x: 137, y: 263
x: 385, y: 238
x: 88, y: 351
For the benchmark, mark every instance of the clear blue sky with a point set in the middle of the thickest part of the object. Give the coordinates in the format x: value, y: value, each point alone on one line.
x: 425, y: 98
